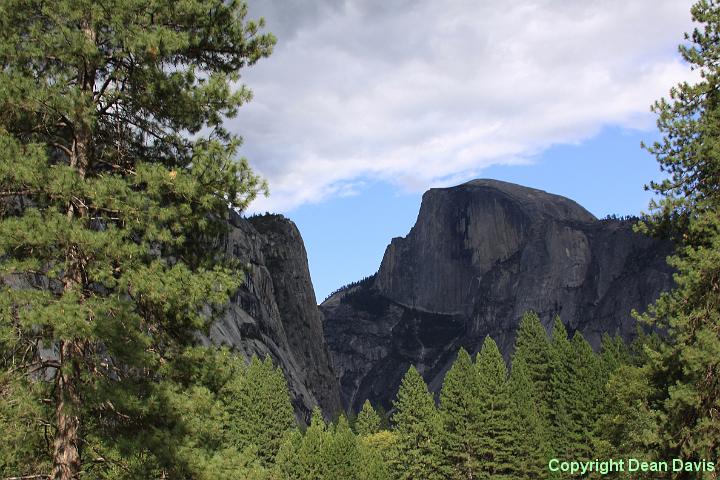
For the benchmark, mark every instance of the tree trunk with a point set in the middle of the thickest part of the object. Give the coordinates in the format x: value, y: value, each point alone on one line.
x: 66, y: 458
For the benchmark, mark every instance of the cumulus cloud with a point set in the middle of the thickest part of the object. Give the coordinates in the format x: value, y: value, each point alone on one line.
x: 424, y: 93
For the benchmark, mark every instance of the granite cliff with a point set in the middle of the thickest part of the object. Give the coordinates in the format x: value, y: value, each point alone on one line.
x: 478, y: 257
x: 275, y: 312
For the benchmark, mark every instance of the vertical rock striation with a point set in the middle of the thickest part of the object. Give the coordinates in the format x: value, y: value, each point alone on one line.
x: 478, y: 257
x: 275, y: 313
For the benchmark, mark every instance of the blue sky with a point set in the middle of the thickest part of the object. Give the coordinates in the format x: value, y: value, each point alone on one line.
x: 365, y: 104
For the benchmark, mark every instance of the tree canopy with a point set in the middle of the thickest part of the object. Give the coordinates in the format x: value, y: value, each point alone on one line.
x: 116, y: 176
x: 683, y: 370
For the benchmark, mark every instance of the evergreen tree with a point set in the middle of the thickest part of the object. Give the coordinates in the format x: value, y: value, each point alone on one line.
x: 532, y: 348
x: 560, y: 383
x: 302, y: 456
x: 577, y: 383
x: 530, y: 384
x: 341, y: 455
x: 376, y: 455
x: 628, y: 424
x: 531, y: 452
x: 368, y: 420
x: 311, y: 455
x: 418, y: 427
x: 203, y: 444
x: 384, y: 417
x: 288, y: 464
x: 259, y: 405
x: 614, y: 353
x: 684, y: 370
x: 116, y: 175
x: 462, y: 416
x: 496, y: 449
x: 586, y: 392
x: 22, y: 425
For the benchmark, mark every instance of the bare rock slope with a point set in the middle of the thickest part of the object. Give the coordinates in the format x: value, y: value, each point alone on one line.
x: 275, y: 312
x: 478, y: 257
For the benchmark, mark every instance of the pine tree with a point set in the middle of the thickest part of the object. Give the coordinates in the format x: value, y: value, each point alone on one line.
x: 288, y: 462
x: 22, y: 425
x: 496, y: 449
x: 529, y: 435
x: 341, y: 455
x: 586, y: 392
x: 258, y: 401
x: 116, y: 175
x: 418, y: 428
x: 530, y: 384
x: 462, y: 416
x: 560, y: 421
x: 302, y: 456
x: 614, y: 353
x: 375, y: 455
x: 684, y: 370
x: 532, y: 348
x: 628, y: 423
x: 368, y: 420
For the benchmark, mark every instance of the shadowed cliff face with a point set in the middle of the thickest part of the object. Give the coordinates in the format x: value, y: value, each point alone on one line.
x: 479, y: 256
x: 275, y: 312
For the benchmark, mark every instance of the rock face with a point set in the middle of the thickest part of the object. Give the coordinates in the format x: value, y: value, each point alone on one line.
x: 479, y: 256
x: 275, y: 313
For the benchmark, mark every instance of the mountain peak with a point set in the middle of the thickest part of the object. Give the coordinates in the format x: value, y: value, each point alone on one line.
x: 479, y: 256
x: 533, y: 201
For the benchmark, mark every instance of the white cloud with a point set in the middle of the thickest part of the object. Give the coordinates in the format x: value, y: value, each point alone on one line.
x: 421, y: 93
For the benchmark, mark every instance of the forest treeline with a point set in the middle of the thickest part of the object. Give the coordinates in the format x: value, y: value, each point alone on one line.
x: 557, y: 400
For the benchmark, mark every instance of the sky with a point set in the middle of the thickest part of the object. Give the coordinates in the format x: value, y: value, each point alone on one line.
x: 364, y: 105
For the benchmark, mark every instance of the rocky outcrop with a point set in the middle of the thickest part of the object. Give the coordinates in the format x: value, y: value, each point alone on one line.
x: 275, y: 313
x: 479, y: 256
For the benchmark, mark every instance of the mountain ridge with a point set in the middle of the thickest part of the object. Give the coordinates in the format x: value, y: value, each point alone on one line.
x: 479, y: 255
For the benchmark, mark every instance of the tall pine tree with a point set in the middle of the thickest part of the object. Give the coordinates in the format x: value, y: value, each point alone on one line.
x: 560, y: 420
x: 684, y: 370
x: 529, y: 434
x: 419, y: 428
x: 116, y: 175
x: 532, y: 348
x: 461, y: 412
x: 259, y: 405
x: 496, y: 432
x: 303, y: 455
x: 586, y: 392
